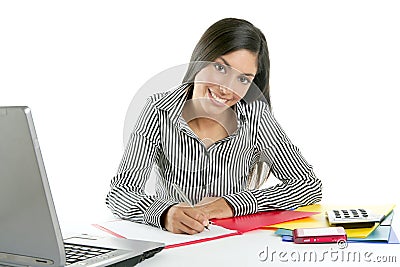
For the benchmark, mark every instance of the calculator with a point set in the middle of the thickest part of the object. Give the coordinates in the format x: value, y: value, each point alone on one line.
x: 353, y: 218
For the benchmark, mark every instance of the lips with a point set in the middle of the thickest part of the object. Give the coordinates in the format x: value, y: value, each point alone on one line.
x: 216, y: 99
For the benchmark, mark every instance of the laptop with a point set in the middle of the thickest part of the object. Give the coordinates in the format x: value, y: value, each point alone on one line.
x: 30, y: 234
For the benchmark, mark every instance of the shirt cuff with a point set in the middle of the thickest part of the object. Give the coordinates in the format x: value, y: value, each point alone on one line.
x: 152, y: 215
x: 242, y: 203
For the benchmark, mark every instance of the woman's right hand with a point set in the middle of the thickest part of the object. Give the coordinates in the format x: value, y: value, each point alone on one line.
x: 183, y: 219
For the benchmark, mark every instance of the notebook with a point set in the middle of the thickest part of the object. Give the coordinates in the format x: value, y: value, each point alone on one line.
x: 29, y: 229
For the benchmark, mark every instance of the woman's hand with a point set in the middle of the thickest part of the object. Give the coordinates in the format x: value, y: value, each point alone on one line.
x: 182, y: 219
x: 215, y: 207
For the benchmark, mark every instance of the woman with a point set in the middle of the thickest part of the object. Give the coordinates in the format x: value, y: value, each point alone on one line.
x: 206, y: 138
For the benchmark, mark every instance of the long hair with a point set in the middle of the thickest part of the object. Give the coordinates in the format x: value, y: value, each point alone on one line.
x: 229, y: 35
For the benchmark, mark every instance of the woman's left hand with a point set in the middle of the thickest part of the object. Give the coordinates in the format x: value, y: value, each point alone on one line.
x: 215, y: 207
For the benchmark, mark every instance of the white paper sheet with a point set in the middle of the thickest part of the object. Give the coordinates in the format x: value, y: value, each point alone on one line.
x: 139, y: 231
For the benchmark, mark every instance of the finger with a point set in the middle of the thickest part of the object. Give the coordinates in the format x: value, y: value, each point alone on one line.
x: 184, y: 223
x: 196, y: 219
x: 197, y: 214
x: 183, y: 228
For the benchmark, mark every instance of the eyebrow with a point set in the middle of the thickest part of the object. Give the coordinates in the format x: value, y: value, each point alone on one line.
x: 226, y: 63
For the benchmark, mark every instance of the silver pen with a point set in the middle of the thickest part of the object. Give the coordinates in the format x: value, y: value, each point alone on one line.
x: 185, y: 198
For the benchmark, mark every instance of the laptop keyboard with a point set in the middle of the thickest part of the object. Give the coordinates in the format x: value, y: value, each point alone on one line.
x: 75, y: 253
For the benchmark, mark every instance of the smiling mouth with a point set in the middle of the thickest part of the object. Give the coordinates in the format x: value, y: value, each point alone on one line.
x: 217, y: 100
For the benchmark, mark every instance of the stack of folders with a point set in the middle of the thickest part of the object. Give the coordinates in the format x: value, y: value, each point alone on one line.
x: 381, y: 232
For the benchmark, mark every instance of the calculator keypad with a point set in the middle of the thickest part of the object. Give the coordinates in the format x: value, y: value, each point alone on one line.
x: 352, y: 213
x: 352, y: 218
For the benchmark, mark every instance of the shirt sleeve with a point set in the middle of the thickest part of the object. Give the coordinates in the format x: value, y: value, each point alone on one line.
x: 127, y: 198
x: 299, y: 186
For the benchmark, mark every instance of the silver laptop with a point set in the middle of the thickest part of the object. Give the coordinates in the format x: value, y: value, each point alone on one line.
x: 30, y: 234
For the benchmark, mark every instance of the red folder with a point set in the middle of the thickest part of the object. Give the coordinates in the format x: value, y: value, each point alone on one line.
x: 254, y: 221
x: 199, y: 240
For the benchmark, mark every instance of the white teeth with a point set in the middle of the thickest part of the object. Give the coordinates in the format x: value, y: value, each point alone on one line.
x: 223, y: 101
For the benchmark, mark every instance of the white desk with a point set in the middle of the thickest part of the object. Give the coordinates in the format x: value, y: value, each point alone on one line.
x: 245, y: 249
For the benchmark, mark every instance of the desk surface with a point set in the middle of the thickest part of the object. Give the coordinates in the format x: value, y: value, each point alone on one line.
x: 264, y: 248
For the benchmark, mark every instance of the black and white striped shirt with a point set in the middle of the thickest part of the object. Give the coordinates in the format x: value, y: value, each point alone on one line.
x: 162, y: 137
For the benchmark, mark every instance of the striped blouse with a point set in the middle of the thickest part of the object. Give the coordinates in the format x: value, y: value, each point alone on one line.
x: 162, y: 138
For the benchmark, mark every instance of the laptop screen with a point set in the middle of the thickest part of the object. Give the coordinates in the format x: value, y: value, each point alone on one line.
x: 29, y: 224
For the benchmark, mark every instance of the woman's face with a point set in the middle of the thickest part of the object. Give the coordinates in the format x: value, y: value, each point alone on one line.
x: 225, y: 81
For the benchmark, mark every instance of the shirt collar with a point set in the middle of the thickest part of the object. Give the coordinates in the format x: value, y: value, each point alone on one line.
x: 173, y: 102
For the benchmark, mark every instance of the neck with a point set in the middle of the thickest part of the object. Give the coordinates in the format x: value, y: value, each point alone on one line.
x: 203, y: 124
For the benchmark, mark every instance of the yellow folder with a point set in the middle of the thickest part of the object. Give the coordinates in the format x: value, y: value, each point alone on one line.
x: 320, y: 220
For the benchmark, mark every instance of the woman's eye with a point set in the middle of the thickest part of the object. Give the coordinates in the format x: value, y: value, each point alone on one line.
x: 220, y: 68
x: 244, y: 80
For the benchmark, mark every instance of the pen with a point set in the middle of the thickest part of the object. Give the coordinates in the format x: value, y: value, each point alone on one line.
x: 185, y: 198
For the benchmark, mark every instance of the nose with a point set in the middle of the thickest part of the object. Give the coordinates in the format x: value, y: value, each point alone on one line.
x: 224, y: 90
x: 228, y: 85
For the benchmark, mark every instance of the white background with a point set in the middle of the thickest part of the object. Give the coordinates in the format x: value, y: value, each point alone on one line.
x: 334, y: 80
